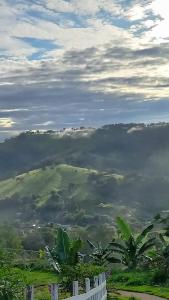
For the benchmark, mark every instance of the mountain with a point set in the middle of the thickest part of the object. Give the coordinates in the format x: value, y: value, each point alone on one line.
x: 122, y: 147
x: 85, y: 176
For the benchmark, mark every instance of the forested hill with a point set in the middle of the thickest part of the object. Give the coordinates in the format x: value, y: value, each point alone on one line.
x: 86, y: 176
x: 125, y: 148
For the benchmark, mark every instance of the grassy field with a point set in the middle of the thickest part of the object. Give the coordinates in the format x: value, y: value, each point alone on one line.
x: 41, y: 280
x: 138, y: 282
x: 60, y: 188
x: 39, y: 277
x: 160, y: 291
x: 41, y: 182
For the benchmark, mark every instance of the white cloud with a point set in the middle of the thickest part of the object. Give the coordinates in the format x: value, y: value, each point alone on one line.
x: 47, y: 123
x: 88, y: 7
x: 105, y: 71
x: 6, y: 122
x: 161, y: 8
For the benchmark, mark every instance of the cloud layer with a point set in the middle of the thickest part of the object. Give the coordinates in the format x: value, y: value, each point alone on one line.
x: 75, y: 63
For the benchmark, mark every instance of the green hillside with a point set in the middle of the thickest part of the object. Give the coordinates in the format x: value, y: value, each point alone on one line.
x: 71, y: 177
x: 79, y: 196
x: 123, y: 148
x: 55, y: 191
x: 41, y: 182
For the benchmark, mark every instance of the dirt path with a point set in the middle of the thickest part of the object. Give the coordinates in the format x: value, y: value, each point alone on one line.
x: 141, y: 296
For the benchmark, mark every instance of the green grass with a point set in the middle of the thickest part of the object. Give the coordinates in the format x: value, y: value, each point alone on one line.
x: 141, y: 282
x: 40, y: 183
x: 46, y: 278
x: 39, y: 277
x: 152, y: 290
x: 116, y: 296
x: 132, y: 278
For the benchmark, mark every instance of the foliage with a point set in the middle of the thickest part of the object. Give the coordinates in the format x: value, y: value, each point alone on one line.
x: 65, y: 250
x: 88, y: 173
x: 78, y: 272
x: 9, y: 237
x: 11, y: 281
x: 100, y: 255
x: 130, y: 248
x: 131, y: 278
x: 11, y: 284
x: 160, y: 276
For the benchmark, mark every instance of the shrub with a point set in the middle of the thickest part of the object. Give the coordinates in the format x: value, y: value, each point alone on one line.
x: 11, y: 284
x: 78, y: 272
x: 132, y: 278
x: 160, y: 276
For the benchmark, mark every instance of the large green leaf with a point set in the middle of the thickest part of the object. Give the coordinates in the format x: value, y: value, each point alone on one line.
x: 92, y: 246
x: 116, y: 245
x: 146, y: 246
x: 124, y: 228
x: 63, y: 246
x: 115, y: 250
x: 162, y: 239
x: 73, y: 254
x: 144, y: 233
x: 113, y: 260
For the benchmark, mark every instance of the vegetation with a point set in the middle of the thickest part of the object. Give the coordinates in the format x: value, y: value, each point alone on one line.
x: 11, y: 281
x: 62, y: 189
x: 131, y: 248
x: 119, y: 169
x: 65, y: 251
x: 126, y: 255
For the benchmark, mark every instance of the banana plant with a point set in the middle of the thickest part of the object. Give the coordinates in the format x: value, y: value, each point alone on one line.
x: 130, y: 248
x: 100, y: 255
x: 65, y: 251
x: 161, y: 256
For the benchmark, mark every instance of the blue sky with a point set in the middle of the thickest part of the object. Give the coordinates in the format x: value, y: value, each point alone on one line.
x: 82, y: 63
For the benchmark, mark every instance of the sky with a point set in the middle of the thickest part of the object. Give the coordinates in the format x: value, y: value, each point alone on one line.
x: 71, y: 63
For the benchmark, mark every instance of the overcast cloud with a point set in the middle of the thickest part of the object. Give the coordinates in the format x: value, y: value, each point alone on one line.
x: 82, y: 63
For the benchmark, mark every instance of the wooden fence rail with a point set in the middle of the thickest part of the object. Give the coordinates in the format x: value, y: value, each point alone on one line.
x: 98, y: 292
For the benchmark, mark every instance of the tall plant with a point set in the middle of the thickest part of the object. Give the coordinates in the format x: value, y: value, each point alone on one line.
x: 65, y: 250
x: 131, y: 248
x: 100, y: 255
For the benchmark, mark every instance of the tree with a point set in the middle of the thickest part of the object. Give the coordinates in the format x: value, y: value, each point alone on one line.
x: 131, y: 248
x: 9, y: 237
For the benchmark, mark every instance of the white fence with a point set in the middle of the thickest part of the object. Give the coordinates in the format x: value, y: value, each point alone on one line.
x: 98, y: 292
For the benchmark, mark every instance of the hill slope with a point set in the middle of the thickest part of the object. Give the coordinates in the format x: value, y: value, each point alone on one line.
x: 113, y: 148
x: 58, y: 193
x: 68, y: 176
x: 72, y: 195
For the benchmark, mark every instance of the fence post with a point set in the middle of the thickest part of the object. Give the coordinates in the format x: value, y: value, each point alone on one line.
x: 75, y: 288
x: 100, y: 279
x: 54, y: 292
x: 87, y: 284
x: 29, y: 292
x: 96, y: 281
